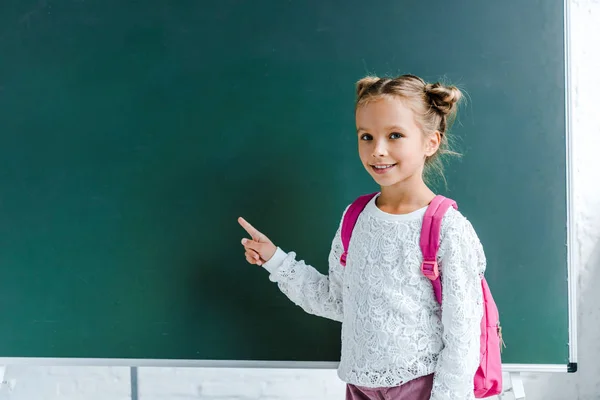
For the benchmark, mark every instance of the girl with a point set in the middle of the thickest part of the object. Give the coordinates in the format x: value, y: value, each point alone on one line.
x: 396, y: 342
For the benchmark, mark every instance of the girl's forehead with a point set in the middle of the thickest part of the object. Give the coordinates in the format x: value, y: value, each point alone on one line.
x: 384, y: 112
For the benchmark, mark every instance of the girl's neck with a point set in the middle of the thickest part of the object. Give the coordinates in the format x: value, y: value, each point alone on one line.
x: 405, y: 197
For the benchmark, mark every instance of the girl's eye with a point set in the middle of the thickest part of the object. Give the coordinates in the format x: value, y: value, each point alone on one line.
x: 396, y: 135
x: 366, y: 136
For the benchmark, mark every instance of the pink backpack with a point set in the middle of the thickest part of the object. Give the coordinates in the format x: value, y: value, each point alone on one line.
x: 488, y: 378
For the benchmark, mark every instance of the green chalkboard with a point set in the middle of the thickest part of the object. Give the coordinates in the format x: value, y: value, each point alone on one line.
x: 134, y: 133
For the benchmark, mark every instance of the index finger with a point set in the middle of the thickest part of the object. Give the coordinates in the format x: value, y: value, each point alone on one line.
x: 249, y: 228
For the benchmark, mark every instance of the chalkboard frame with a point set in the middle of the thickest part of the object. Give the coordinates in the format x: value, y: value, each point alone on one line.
x: 573, y: 263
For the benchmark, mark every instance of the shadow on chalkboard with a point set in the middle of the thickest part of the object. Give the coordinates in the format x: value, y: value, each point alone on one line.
x: 245, y: 315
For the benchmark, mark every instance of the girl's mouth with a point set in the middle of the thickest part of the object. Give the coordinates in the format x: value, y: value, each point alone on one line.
x: 382, y: 168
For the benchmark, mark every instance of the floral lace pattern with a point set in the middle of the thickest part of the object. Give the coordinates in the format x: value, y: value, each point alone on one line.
x: 393, y: 330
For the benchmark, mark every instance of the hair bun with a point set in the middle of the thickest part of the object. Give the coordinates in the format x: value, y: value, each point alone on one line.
x: 443, y: 98
x: 364, y: 84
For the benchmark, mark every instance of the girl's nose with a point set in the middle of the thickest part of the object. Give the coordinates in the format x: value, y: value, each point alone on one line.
x: 380, y: 149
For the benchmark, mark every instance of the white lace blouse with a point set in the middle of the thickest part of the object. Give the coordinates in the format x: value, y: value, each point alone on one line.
x: 393, y: 330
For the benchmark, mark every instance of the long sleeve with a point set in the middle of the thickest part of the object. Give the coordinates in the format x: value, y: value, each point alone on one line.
x: 462, y: 261
x: 313, y: 291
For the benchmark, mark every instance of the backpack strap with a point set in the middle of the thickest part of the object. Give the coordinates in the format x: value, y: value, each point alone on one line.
x: 350, y: 219
x: 430, y: 241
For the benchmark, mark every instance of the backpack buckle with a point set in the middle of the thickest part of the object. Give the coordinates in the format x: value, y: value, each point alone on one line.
x: 430, y: 269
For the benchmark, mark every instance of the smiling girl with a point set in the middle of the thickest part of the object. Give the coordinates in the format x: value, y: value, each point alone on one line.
x: 396, y: 342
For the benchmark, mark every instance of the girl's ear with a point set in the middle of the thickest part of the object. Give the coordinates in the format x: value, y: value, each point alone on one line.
x: 432, y: 143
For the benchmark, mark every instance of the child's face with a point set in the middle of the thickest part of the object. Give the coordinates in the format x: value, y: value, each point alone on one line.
x: 391, y: 144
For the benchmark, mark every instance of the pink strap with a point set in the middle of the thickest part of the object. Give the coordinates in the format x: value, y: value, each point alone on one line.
x: 350, y: 219
x: 430, y: 241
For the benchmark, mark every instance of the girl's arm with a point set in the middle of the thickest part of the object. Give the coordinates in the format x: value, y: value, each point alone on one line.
x: 313, y: 291
x: 462, y: 262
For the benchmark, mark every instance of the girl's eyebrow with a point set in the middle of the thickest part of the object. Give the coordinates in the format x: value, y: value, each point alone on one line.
x: 388, y: 128
x: 395, y: 128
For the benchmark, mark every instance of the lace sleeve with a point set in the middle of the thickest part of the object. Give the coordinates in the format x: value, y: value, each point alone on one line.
x: 314, y: 292
x: 462, y: 261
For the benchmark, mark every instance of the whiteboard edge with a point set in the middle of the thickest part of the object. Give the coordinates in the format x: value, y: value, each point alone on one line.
x: 131, y: 362
x: 572, y: 261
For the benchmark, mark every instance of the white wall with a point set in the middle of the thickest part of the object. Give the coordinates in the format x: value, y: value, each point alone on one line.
x: 68, y: 383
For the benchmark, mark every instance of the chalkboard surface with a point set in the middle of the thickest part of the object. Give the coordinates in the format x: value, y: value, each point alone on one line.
x: 133, y: 134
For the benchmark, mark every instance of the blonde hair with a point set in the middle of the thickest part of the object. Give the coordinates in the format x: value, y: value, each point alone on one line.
x: 434, y: 105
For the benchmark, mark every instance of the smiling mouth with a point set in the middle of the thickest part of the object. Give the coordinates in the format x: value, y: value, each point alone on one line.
x: 382, y: 168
